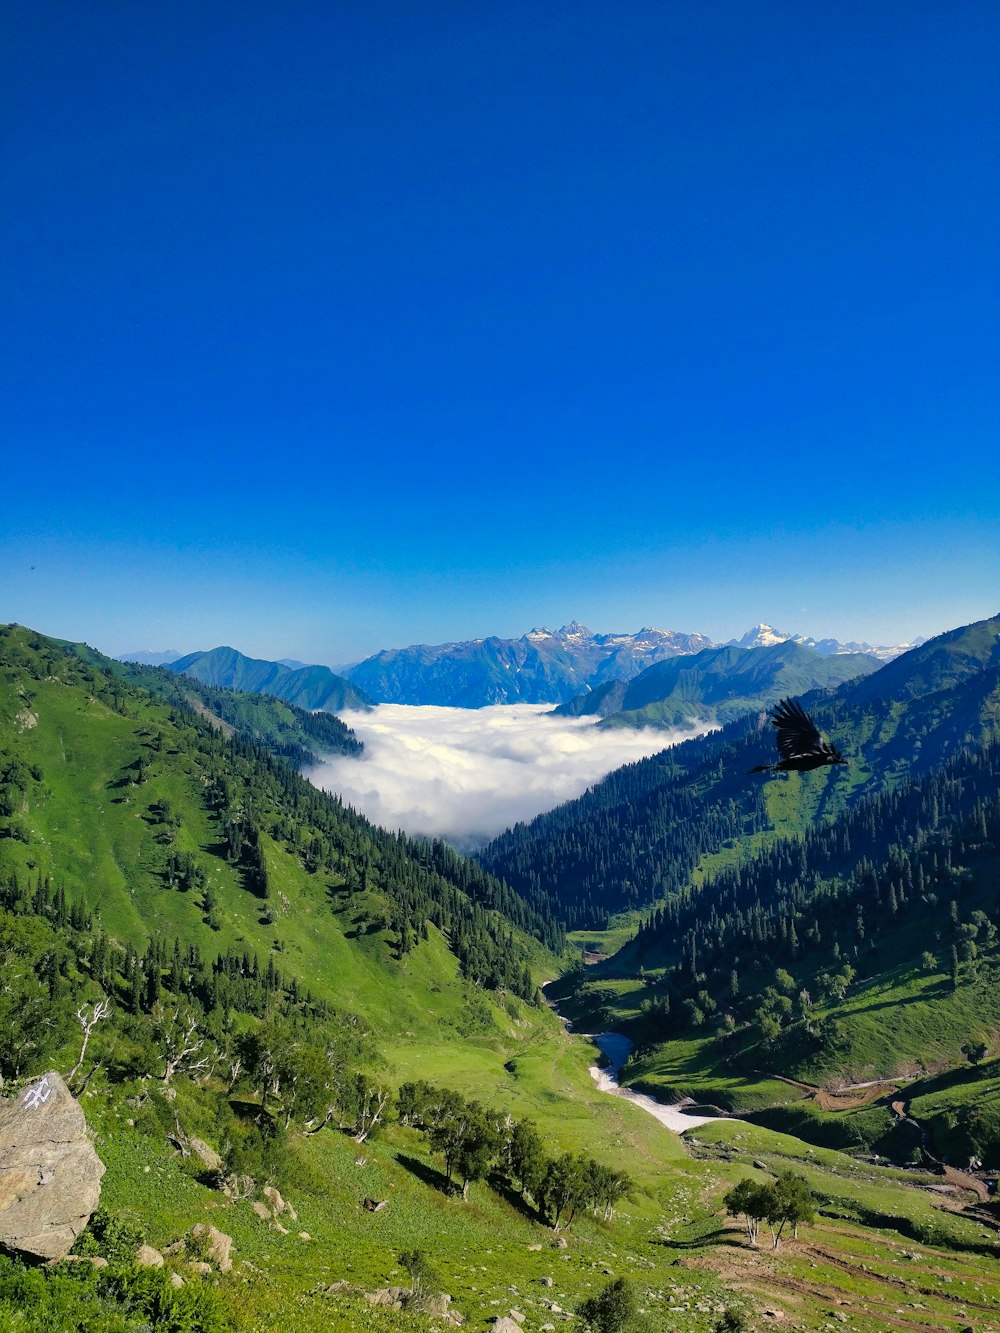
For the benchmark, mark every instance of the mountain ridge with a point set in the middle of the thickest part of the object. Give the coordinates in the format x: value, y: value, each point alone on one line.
x: 309, y: 687
x: 716, y: 684
x: 544, y: 665
x: 642, y: 831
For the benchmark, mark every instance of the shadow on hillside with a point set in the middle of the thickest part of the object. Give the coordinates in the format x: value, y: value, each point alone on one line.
x: 428, y: 1174
x: 935, y: 992
x: 511, y: 1196
x: 720, y: 1236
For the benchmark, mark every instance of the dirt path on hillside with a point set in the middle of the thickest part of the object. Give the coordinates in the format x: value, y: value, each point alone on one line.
x: 847, y: 1098
x: 760, y: 1272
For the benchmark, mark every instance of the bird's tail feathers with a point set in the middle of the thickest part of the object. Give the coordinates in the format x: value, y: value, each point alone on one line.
x: 761, y: 768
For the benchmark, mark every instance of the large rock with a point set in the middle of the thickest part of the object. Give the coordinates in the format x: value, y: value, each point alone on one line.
x: 215, y: 1243
x: 50, y: 1175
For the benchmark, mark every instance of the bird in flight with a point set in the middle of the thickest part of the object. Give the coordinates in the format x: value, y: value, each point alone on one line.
x: 800, y: 744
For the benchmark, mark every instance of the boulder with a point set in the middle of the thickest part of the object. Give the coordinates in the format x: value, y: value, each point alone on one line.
x: 391, y: 1297
x: 274, y: 1199
x: 50, y: 1175
x: 208, y: 1157
x: 147, y: 1257
x: 504, y: 1325
x: 176, y: 1280
x: 262, y: 1210
x: 217, y: 1245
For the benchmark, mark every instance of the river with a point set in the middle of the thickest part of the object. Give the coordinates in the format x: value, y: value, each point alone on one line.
x: 615, y: 1046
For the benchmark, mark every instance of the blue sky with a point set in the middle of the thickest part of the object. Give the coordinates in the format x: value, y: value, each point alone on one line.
x: 329, y: 327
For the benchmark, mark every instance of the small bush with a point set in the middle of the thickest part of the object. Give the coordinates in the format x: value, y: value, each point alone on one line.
x: 612, y: 1308
x: 114, y: 1238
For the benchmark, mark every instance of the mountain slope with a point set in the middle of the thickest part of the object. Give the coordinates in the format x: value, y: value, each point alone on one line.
x: 309, y: 687
x: 170, y: 825
x: 645, y: 829
x: 542, y: 666
x: 199, y: 885
x: 717, y: 684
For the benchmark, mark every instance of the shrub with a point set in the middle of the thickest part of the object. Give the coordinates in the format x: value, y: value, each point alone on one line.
x: 612, y: 1308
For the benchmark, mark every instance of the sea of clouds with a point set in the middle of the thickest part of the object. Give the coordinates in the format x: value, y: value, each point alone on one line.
x: 466, y: 774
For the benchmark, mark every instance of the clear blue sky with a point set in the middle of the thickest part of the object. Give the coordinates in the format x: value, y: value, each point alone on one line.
x: 335, y: 326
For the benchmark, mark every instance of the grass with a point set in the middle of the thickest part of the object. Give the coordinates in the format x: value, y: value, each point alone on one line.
x: 96, y: 828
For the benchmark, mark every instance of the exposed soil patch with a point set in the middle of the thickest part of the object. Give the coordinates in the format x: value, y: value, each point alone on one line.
x: 225, y: 727
x: 763, y: 1274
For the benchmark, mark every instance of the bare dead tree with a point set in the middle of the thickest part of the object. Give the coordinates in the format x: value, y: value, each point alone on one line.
x: 180, y: 1045
x: 88, y: 1021
x: 371, y: 1103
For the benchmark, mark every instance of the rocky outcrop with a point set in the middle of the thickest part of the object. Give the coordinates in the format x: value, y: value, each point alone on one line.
x: 215, y: 1243
x: 50, y: 1175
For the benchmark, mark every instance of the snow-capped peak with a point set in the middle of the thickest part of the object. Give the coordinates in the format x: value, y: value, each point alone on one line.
x: 762, y: 636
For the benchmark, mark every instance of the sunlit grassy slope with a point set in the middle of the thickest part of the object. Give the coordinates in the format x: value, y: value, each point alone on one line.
x: 91, y: 825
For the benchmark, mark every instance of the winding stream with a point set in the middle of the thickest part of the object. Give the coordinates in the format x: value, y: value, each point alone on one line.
x: 615, y: 1046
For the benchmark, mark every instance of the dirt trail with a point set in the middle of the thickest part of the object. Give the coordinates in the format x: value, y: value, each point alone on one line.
x: 847, y: 1098
x: 761, y: 1272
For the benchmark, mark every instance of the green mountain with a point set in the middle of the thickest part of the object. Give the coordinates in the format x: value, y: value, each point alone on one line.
x: 646, y: 829
x: 253, y: 834
x: 284, y: 729
x: 310, y: 687
x: 717, y: 684
x: 350, y: 1017
x: 844, y: 933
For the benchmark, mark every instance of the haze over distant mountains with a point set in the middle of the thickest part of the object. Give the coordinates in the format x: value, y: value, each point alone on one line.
x: 147, y: 658
x: 543, y: 666
x: 717, y: 684
x: 764, y: 636
x: 310, y: 687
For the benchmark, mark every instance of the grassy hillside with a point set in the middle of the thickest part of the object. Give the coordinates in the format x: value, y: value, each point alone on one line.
x: 188, y: 875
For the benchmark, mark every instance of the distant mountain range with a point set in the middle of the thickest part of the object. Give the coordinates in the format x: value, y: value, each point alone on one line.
x: 146, y: 658
x: 560, y: 665
x: 310, y: 687
x: 543, y: 666
x: 718, y: 684
x: 765, y: 636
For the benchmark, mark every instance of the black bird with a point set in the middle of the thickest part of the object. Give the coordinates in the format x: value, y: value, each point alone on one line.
x: 799, y: 742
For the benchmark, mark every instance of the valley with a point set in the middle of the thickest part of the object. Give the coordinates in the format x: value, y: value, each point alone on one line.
x: 159, y: 849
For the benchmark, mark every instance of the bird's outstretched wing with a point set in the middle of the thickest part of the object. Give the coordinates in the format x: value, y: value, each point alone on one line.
x: 797, y: 732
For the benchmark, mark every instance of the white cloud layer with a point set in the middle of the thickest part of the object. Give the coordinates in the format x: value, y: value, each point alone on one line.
x: 467, y: 774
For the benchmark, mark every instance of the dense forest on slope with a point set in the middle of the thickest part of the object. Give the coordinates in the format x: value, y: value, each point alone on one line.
x: 718, y: 684
x: 296, y: 734
x: 179, y: 803
x: 905, y: 872
x: 642, y: 833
